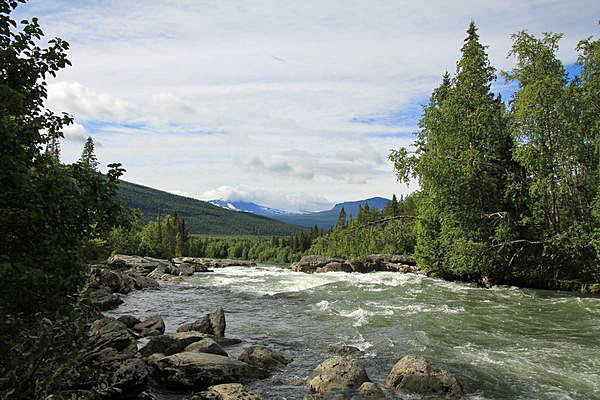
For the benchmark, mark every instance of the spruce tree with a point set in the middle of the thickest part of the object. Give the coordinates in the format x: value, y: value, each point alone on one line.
x: 88, y: 158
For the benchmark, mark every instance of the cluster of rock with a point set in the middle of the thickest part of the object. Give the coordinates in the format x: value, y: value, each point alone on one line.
x: 376, y: 262
x: 121, y: 274
x: 183, y: 360
x: 344, y: 378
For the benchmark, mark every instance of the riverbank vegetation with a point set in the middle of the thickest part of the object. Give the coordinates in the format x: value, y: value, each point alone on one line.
x: 510, y: 192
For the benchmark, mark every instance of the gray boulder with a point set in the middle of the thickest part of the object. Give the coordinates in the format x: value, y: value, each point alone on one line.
x: 141, y: 265
x: 335, y: 266
x: 153, y: 326
x: 206, y: 345
x: 110, y: 342
x: 171, y: 343
x: 371, y: 391
x: 104, y: 299
x: 211, y: 324
x: 189, y: 370
x: 311, y: 263
x: 337, y: 376
x: 129, y: 320
x: 414, y: 374
x: 265, y: 358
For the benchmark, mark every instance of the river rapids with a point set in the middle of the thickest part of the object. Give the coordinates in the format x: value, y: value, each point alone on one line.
x: 503, y: 343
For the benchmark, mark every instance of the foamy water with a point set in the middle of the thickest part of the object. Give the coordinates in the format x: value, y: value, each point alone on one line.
x: 504, y: 343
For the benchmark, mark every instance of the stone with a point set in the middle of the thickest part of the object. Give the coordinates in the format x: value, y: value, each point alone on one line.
x: 143, y: 282
x: 371, y: 391
x: 103, y: 299
x: 206, y: 345
x: 413, y: 374
x: 152, y: 326
x: 225, y: 391
x: 337, y: 376
x: 185, y: 269
x: 335, y: 266
x: 171, y: 343
x: 201, y: 325
x: 131, y: 377
x: 129, y: 320
x: 110, y: 342
x: 311, y: 263
x: 190, y: 370
x: 141, y: 265
x: 265, y: 358
x: 217, y: 322
x: 115, y: 281
x: 344, y: 349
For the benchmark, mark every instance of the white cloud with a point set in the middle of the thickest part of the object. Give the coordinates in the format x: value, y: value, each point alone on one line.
x: 195, y: 97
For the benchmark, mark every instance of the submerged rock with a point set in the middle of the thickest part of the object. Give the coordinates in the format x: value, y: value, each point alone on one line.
x: 189, y: 370
x: 414, y: 374
x: 265, y: 358
x: 371, y: 391
x: 344, y: 350
x: 337, y: 376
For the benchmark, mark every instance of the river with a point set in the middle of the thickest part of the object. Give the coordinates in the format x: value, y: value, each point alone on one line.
x: 504, y: 343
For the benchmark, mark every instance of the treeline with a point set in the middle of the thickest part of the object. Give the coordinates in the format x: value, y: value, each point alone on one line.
x: 168, y: 237
x: 510, y: 192
x: 372, y: 231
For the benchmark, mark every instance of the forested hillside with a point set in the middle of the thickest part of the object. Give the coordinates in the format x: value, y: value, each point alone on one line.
x: 200, y: 217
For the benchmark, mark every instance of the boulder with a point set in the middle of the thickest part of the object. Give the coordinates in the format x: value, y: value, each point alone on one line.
x: 115, y: 281
x: 129, y: 320
x: 207, y: 345
x: 200, y: 325
x: 143, y: 282
x: 337, y: 376
x: 217, y: 322
x: 141, y: 265
x: 311, y: 263
x: 263, y: 357
x: 211, y: 324
x: 153, y: 326
x: 371, y: 391
x: 104, y: 299
x: 414, y: 374
x: 131, y: 377
x: 165, y: 272
x: 344, y: 349
x: 358, y: 265
x: 110, y: 342
x: 171, y: 343
x: 225, y: 391
x: 335, y: 266
x: 185, y: 269
x: 189, y: 370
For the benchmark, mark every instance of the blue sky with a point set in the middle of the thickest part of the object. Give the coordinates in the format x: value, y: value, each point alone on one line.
x: 290, y: 104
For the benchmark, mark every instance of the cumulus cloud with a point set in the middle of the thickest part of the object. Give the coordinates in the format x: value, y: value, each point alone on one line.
x: 292, y: 201
x: 194, y: 99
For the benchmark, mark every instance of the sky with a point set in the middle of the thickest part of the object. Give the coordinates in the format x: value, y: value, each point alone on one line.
x: 290, y: 104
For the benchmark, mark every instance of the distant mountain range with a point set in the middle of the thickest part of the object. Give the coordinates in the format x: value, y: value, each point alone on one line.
x: 201, y: 217
x: 322, y: 219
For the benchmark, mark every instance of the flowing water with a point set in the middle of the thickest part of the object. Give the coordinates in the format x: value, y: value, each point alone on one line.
x: 504, y: 343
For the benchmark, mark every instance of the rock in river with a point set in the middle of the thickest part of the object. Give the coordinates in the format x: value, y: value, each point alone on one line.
x: 189, y: 370
x: 414, y: 374
x: 337, y: 376
x: 153, y: 326
x: 265, y: 358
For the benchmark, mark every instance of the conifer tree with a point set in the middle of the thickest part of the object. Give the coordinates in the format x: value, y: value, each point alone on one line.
x: 88, y: 158
x: 341, y: 222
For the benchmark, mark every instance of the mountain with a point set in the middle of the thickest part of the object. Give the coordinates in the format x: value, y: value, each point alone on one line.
x: 253, y: 208
x: 200, y: 216
x: 322, y: 219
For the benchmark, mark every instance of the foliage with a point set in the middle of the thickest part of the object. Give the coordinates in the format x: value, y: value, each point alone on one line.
x: 49, y: 215
x: 510, y: 194
x: 364, y: 235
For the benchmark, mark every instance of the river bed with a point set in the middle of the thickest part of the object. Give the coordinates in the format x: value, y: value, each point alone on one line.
x: 504, y: 343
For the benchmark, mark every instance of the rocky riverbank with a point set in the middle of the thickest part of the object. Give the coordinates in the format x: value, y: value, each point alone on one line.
x: 371, y: 263
x: 137, y: 356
